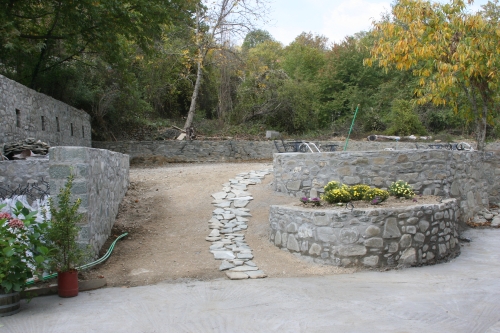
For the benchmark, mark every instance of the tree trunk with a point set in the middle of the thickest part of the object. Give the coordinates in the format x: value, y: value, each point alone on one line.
x: 194, y: 97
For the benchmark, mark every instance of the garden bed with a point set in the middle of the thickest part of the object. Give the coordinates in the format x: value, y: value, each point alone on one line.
x: 396, y: 232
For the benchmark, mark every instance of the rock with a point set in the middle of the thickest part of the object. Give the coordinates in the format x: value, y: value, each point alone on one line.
x: 238, y: 262
x: 256, y: 274
x: 221, y: 255
x: 391, y: 229
x: 371, y: 261
x: 243, y: 268
x: 372, y: 231
x: 315, y: 249
x: 496, y: 222
x: 352, y: 250
x: 214, y: 233
x: 236, y: 275
x: 245, y: 256
x: 251, y: 263
x: 225, y: 265
x: 240, y: 203
x: 212, y: 239
x: 224, y: 204
x: 405, y: 241
x: 409, y: 257
x: 219, y: 195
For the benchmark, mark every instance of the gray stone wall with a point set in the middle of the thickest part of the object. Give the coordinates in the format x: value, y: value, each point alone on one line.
x: 456, y: 174
x: 378, y: 237
x: 101, y: 181
x: 26, y: 113
x: 23, y: 172
x: 491, y: 171
x: 221, y: 151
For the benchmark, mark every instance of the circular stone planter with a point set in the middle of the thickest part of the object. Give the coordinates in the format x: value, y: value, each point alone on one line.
x: 369, y: 237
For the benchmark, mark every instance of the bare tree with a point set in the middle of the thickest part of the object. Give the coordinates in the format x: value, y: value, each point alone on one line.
x: 216, y: 21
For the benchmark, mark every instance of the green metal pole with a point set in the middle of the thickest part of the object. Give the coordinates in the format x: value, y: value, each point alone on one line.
x: 352, y: 125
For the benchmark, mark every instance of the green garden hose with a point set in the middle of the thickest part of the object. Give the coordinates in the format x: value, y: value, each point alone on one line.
x: 98, y: 261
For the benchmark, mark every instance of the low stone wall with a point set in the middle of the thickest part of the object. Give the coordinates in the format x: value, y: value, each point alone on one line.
x: 455, y: 174
x: 375, y: 237
x: 220, y: 151
x: 491, y: 172
x: 101, y: 181
x: 23, y: 172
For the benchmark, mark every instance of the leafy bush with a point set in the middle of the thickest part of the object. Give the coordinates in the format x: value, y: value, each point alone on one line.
x: 404, y: 119
x: 358, y: 191
x: 401, y: 189
x: 337, y: 195
x: 376, y: 192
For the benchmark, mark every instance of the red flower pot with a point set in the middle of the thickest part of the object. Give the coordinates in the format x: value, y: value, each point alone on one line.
x: 67, y: 283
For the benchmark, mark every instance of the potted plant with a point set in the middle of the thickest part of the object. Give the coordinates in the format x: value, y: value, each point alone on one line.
x: 23, y: 253
x: 66, y: 254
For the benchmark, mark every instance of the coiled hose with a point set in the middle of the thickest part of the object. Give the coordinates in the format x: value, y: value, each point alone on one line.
x: 98, y: 261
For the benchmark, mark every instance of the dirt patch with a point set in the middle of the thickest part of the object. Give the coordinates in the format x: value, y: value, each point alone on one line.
x: 166, y: 212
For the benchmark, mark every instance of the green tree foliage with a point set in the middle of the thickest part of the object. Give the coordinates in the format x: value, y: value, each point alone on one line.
x: 404, y: 119
x: 37, y: 36
x: 254, y: 38
x: 453, y: 52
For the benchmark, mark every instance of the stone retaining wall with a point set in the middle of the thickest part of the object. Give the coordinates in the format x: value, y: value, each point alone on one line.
x: 101, y: 181
x: 491, y: 169
x: 378, y: 237
x: 221, y: 151
x: 455, y: 174
x: 26, y: 113
x: 14, y: 174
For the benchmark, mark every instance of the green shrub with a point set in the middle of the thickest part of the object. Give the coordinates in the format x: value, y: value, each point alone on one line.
x: 375, y: 192
x: 404, y: 119
x: 358, y: 191
x: 336, y: 195
x: 401, y: 189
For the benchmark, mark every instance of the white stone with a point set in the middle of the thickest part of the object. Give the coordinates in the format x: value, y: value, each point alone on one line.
x: 221, y: 255
x: 243, y: 268
x: 240, y: 203
x: 212, y: 239
x: 219, y: 195
x: 236, y: 275
x: 225, y: 265
x: 256, y: 274
x: 214, y: 233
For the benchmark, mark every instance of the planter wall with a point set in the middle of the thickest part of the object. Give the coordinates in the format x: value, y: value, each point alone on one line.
x: 449, y: 174
x: 374, y: 237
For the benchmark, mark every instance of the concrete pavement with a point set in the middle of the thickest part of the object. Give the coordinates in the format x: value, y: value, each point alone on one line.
x: 460, y: 296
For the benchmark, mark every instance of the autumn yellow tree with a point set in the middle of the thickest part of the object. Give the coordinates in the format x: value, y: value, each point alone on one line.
x: 454, y: 52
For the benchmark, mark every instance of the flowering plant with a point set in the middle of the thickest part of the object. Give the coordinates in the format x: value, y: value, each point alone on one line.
x: 22, y: 247
x: 373, y: 193
x: 401, y: 189
x: 358, y: 191
x: 314, y: 201
x: 337, y: 195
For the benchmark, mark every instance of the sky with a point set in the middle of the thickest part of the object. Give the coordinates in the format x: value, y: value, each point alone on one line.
x: 334, y: 19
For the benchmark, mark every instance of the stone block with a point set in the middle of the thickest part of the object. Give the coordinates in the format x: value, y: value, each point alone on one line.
x: 315, y: 249
x: 371, y: 261
x: 372, y: 231
x: 292, y: 244
x: 325, y: 234
x: 408, y: 258
x: 322, y: 220
x: 348, y: 235
x: 293, y: 185
x: 374, y: 242
x: 351, y: 250
x: 391, y: 229
x: 405, y: 241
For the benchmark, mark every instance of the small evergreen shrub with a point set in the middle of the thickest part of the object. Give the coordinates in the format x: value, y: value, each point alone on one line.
x: 401, y: 189
x: 376, y: 192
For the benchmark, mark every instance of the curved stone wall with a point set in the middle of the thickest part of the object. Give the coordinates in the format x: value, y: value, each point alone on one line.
x: 372, y: 237
x: 448, y: 174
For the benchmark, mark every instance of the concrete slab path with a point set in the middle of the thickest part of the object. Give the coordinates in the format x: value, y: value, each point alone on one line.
x: 460, y: 296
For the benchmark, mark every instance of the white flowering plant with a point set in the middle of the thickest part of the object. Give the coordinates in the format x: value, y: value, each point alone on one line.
x: 401, y: 189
